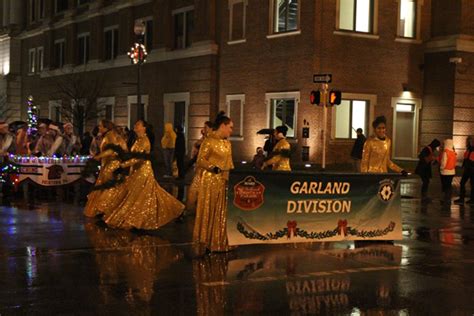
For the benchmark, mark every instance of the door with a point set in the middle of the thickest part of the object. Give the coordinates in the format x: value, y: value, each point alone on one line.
x: 180, y: 114
x: 405, y: 131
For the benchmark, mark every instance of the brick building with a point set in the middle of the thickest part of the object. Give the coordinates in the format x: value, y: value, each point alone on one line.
x: 409, y: 60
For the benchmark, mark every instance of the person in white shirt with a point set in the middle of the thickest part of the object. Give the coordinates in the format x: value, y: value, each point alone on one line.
x: 57, y: 147
x: 72, y: 142
x: 7, y: 140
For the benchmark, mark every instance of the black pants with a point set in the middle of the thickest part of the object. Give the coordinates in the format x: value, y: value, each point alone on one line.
x: 424, y: 186
x: 468, y: 175
x: 446, y: 184
x: 180, y: 165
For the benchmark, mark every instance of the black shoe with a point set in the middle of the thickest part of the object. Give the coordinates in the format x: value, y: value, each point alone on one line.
x: 459, y: 201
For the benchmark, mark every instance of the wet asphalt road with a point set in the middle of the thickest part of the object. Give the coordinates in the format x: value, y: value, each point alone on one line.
x: 54, y: 261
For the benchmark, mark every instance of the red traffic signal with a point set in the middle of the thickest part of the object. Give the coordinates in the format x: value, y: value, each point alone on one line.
x: 315, y: 97
x: 335, y: 97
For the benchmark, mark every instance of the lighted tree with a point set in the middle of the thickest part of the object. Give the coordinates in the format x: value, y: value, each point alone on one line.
x: 32, y: 116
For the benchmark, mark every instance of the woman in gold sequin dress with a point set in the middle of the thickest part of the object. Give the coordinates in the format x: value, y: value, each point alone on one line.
x: 215, y: 159
x: 376, y: 154
x: 109, y: 162
x: 144, y: 204
x: 281, y: 152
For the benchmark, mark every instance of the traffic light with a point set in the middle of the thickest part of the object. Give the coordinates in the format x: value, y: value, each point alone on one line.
x: 335, y: 97
x: 315, y: 97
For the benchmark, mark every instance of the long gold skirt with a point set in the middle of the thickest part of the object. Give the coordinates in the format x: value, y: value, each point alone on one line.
x: 211, y: 213
x: 144, y: 204
x: 95, y: 198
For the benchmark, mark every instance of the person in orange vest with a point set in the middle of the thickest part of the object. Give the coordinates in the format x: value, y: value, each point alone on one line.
x: 468, y: 173
x: 447, y: 168
x: 423, y: 168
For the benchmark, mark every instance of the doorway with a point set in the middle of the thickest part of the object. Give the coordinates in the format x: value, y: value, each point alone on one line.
x: 405, y: 130
x: 176, y: 111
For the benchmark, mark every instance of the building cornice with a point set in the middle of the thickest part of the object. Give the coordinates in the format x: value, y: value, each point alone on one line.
x: 199, y: 49
x: 460, y: 43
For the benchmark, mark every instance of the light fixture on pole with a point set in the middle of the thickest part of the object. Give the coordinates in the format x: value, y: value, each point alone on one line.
x: 138, y: 56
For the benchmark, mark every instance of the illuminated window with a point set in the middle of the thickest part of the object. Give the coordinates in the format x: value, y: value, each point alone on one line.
x: 356, y: 15
x: 283, y: 110
x: 183, y: 21
x: 349, y: 116
x: 407, y: 21
x: 285, y: 16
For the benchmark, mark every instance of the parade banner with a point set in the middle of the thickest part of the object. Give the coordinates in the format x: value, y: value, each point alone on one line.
x: 49, y: 171
x: 282, y: 207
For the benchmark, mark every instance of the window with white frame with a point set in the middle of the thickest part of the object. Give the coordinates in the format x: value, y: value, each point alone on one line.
x: 148, y: 34
x: 41, y: 8
x: 61, y: 5
x: 349, y: 116
x: 111, y: 43
x: 237, y: 18
x: 83, y: 44
x: 40, y: 58
x: 31, y: 60
x: 235, y: 110
x: 285, y: 15
x: 183, y: 25
x: 407, y: 18
x: 105, y: 108
x: 55, y: 110
x: 356, y: 15
x: 33, y: 10
x: 283, y: 109
x: 59, y: 53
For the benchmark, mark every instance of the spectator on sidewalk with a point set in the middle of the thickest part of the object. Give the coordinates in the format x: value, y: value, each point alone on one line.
x: 357, y: 149
x: 258, y: 159
x: 447, y: 169
x: 423, y: 168
x: 168, y: 142
x: 468, y: 173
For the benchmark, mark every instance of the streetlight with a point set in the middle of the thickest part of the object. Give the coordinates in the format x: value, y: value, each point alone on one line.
x: 138, y: 56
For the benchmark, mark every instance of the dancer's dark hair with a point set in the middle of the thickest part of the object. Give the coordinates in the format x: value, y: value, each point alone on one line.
x: 379, y: 120
x: 221, y: 119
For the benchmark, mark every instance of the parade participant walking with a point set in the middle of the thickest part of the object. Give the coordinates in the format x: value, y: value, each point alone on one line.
x: 280, y: 160
x: 193, y: 190
x: 423, y: 168
x: 109, y: 162
x: 168, y: 142
x: 376, y: 153
x: 144, y: 204
x: 447, y: 168
x: 356, y: 153
x: 468, y: 173
x: 215, y: 159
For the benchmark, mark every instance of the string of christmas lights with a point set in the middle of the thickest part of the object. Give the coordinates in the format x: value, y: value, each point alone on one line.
x: 49, y: 160
x: 137, y: 53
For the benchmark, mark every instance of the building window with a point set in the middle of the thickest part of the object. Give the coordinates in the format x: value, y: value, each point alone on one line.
x: 82, y: 2
x: 83, y: 49
x: 237, y: 18
x: 105, y: 108
x: 59, y: 53
x: 407, y: 19
x: 235, y: 109
x: 111, y: 43
x: 41, y: 9
x: 183, y: 21
x: 148, y: 35
x: 349, y: 116
x: 32, y: 10
x: 55, y: 110
x: 61, y: 5
x: 31, y: 60
x: 40, y: 55
x: 283, y: 109
x: 356, y: 15
x: 285, y: 16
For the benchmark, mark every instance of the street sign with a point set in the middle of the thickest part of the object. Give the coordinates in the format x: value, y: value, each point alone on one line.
x: 322, y: 78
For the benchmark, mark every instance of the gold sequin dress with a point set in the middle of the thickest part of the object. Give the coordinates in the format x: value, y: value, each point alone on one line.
x: 109, y: 163
x: 280, y: 161
x: 144, y: 204
x: 211, y: 212
x: 376, y: 156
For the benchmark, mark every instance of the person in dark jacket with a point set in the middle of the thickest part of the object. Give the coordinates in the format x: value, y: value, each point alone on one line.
x: 468, y: 173
x: 423, y: 168
x: 356, y: 153
x: 180, y: 151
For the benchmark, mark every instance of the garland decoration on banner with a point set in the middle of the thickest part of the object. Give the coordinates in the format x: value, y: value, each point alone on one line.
x: 292, y: 230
